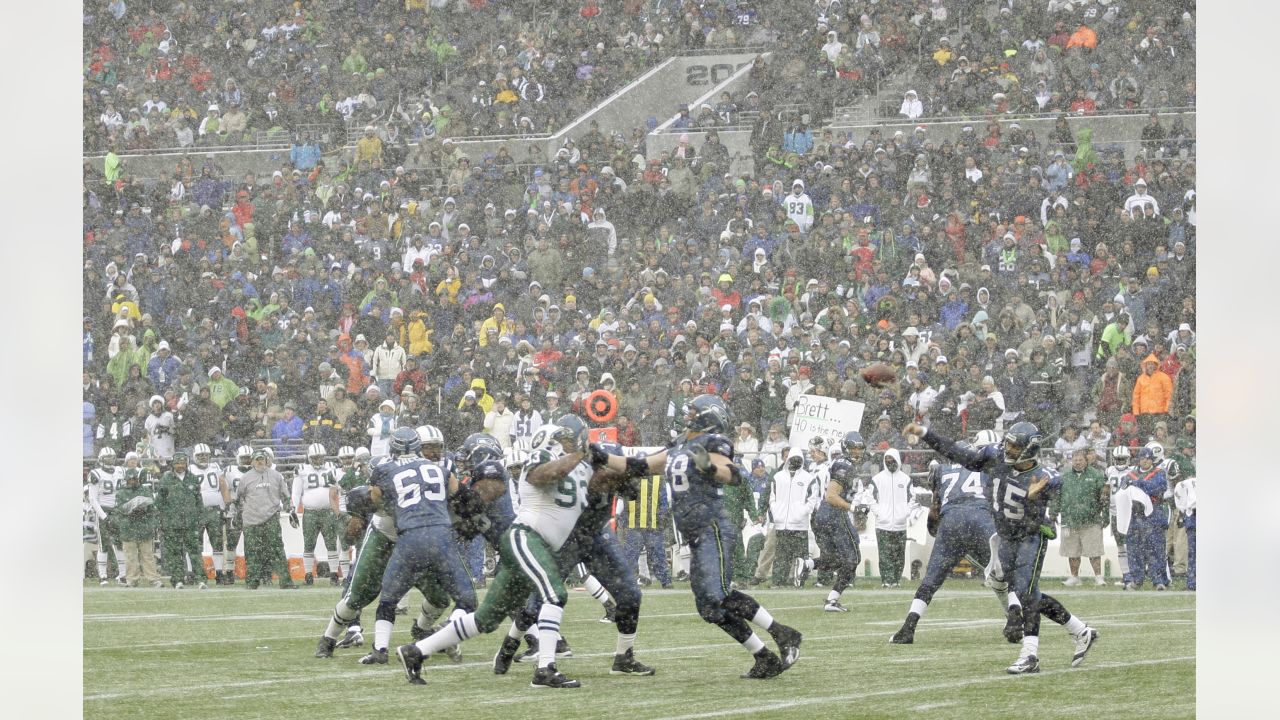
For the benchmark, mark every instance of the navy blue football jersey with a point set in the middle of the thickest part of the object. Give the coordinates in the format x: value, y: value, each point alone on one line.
x: 1016, y: 515
x: 697, y: 498
x: 958, y: 486
x: 844, y: 473
x: 500, y: 512
x: 416, y: 490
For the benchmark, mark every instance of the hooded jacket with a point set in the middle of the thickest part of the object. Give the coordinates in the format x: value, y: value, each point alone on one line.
x: 1152, y: 393
x: 791, y: 497
x: 483, y: 399
x: 894, y: 503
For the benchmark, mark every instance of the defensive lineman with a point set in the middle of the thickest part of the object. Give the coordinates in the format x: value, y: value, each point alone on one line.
x: 104, y: 480
x: 1021, y: 491
x: 960, y: 519
x: 552, y: 495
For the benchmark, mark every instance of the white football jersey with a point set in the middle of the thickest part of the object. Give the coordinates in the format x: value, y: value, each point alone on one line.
x: 103, y: 485
x: 552, y: 511
x: 311, y: 486
x: 210, y: 494
x: 234, y: 473
x: 1116, y: 480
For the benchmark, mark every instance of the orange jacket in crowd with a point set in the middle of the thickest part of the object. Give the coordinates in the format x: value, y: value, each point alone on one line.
x: 1152, y: 392
x: 1083, y: 37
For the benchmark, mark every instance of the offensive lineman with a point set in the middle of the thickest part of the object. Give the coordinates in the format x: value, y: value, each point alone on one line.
x: 1021, y: 491
x: 215, y: 498
x: 960, y: 519
x: 552, y: 494
x: 104, y: 480
x: 696, y: 469
x: 315, y: 495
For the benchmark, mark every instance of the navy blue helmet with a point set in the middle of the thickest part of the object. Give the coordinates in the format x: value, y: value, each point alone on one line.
x: 405, y: 441
x: 479, y: 447
x: 852, y: 440
x: 1022, y: 442
x: 708, y: 414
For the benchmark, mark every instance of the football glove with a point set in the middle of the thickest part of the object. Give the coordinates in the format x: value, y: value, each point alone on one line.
x: 701, y: 459
x: 466, y: 503
x: 293, y: 519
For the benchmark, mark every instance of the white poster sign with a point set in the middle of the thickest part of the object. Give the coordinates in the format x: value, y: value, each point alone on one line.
x: 824, y: 417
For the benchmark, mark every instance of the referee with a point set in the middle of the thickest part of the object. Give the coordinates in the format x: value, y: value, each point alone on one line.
x: 260, y: 496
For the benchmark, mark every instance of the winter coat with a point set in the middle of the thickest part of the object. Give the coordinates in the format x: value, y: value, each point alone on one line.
x: 791, y: 497
x: 894, y: 503
x: 1152, y: 393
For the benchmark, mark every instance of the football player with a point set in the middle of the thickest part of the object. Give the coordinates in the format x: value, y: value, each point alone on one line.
x: 833, y: 522
x: 417, y: 490
x: 315, y: 496
x: 1021, y: 490
x: 215, y: 496
x: 696, y: 468
x: 235, y: 531
x: 365, y: 581
x: 1117, y: 480
x: 346, y: 464
x: 552, y: 494
x: 960, y: 519
x: 104, y: 481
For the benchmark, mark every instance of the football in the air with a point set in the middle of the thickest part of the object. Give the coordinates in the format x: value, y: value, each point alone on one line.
x: 879, y: 374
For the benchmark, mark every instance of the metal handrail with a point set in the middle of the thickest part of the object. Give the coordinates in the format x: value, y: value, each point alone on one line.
x: 1015, y: 117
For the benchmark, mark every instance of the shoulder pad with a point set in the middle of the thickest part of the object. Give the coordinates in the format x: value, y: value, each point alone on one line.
x: 841, y: 468
x: 716, y: 444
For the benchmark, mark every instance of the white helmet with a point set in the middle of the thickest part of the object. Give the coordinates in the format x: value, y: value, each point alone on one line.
x: 107, y: 457
x: 346, y: 452
x: 244, y: 454
x: 316, y: 450
x: 548, y: 438
x: 1156, y: 449
x: 430, y: 435
x: 986, y: 437
x: 201, y: 454
x: 1120, y: 454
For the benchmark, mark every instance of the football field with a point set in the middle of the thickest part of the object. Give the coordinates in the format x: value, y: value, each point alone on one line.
x: 236, y: 653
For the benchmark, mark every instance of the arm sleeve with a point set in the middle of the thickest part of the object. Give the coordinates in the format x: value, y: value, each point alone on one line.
x: 93, y: 499
x: 976, y: 460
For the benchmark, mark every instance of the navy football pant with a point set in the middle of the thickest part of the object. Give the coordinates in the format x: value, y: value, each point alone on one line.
x: 961, y: 531
x: 1022, y: 560
x: 428, y: 550
x: 838, y: 542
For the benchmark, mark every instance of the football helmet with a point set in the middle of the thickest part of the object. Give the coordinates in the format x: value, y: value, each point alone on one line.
x: 1157, y: 451
x: 201, y: 454
x: 1022, y: 443
x: 430, y: 436
x: 1120, y: 455
x: 852, y: 441
x: 573, y: 432
x: 479, y: 447
x: 107, y: 457
x: 404, y: 441
x: 316, y: 450
x: 244, y: 454
x: 986, y: 437
x: 707, y: 414
x: 346, y: 455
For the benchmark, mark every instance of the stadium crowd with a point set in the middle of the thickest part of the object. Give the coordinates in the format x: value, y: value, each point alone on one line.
x: 1006, y: 276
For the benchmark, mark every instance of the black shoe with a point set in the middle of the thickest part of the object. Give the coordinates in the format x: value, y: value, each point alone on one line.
x: 352, y: 638
x: 402, y: 609
x: 530, y: 655
x: 626, y: 664
x: 645, y: 582
x: 506, y: 654
x: 289, y: 585
x: 375, y: 657
x: 906, y: 635
x: 666, y: 586
x: 550, y: 677
x: 754, y: 581
x: 418, y: 633
x: 788, y: 640
x: 411, y: 658
x: 767, y: 665
x: 562, y: 649
x: 682, y: 576
x: 333, y: 580
x: 325, y: 648
x: 1013, y: 624
x: 610, y: 612
x: 309, y: 579
x: 231, y: 577
x: 252, y: 584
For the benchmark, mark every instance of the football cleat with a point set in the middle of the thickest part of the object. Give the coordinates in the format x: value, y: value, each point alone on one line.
x: 402, y: 609
x: 610, y: 612
x: 1013, y: 624
x: 352, y: 638
x: 375, y: 657
x: 906, y: 635
x: 550, y: 677
x: 203, y: 585
x: 157, y: 584
x: 531, y: 654
x: 834, y: 606
x: 626, y: 664
x: 288, y: 585
x: 104, y: 582
x: 454, y: 653
x: 1130, y: 586
x: 788, y: 640
x: 334, y: 580
x: 562, y: 649
x: 1025, y: 665
x: 178, y: 585
x: 252, y: 584
x: 1084, y: 641
x: 767, y: 665
x: 122, y: 581
x: 325, y: 648
x: 506, y: 654
x: 801, y: 572
x: 309, y: 579
x: 418, y: 633
x: 1161, y: 587
x: 411, y: 658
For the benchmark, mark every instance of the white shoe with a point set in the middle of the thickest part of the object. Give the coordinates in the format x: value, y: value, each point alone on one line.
x: 1084, y: 641
x: 1025, y: 665
x: 203, y: 585
x: 1071, y: 581
x: 1097, y: 580
x: 834, y: 606
x: 178, y: 585
x: 104, y: 582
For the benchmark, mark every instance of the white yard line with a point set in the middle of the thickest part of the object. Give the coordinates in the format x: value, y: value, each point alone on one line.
x: 834, y: 699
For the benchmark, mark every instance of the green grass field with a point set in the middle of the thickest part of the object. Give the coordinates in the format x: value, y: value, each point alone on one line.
x: 233, y: 653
